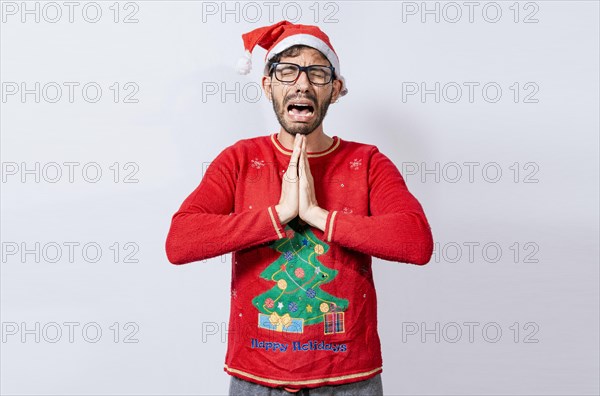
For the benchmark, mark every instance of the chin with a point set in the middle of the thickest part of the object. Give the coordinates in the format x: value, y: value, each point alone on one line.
x: 295, y: 128
x: 294, y: 131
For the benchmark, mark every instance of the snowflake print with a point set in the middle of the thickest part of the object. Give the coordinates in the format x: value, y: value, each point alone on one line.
x: 354, y: 165
x: 346, y: 210
x: 256, y: 163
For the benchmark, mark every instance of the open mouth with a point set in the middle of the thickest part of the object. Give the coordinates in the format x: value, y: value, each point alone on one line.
x: 300, y: 111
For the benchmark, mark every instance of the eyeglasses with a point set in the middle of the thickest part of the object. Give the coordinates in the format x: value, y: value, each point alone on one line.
x: 289, y: 73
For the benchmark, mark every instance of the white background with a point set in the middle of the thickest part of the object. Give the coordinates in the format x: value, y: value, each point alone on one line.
x: 178, y: 49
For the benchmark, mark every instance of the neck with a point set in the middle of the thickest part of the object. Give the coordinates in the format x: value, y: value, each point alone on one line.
x: 315, y: 141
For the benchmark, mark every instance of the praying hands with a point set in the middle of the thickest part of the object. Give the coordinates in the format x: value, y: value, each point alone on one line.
x: 298, y: 191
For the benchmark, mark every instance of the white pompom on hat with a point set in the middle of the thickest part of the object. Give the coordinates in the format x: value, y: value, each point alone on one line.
x: 282, y: 35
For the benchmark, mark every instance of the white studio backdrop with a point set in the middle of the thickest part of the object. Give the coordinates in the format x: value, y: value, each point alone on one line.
x: 111, y: 111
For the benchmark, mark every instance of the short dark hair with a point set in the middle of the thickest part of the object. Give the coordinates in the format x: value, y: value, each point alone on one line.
x: 292, y: 51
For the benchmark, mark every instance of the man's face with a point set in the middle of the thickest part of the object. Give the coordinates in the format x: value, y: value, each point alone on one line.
x: 284, y: 95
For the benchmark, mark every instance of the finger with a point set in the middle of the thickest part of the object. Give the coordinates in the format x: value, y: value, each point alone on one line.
x: 296, y: 153
x: 304, y: 162
x: 301, y: 159
x: 297, y: 147
x: 307, y: 166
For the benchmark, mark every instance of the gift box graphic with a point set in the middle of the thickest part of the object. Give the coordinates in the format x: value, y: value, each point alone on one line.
x: 334, y: 323
x: 283, y: 323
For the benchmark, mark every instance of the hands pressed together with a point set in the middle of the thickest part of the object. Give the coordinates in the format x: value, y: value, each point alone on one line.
x: 298, y: 192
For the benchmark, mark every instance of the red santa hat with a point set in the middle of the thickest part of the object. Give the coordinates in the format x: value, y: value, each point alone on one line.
x: 282, y: 35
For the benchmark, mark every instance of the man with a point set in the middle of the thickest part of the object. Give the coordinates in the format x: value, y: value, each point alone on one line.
x: 303, y: 214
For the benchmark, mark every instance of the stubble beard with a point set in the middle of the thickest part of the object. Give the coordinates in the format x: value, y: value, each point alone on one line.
x: 294, y: 128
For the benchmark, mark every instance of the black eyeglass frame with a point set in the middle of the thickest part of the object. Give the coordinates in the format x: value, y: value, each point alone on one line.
x: 300, y: 70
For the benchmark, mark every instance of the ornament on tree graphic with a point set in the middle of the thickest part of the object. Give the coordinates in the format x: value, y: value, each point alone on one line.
x: 296, y: 300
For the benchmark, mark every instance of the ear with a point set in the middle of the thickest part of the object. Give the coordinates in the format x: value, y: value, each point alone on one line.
x: 266, y: 85
x: 337, y: 88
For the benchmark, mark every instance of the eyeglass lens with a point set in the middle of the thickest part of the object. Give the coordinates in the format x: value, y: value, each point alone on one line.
x: 286, y: 72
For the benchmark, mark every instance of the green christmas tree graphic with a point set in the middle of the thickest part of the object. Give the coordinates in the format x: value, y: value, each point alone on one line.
x: 298, y: 275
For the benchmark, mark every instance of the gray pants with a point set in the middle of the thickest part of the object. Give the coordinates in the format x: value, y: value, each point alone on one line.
x: 370, y: 387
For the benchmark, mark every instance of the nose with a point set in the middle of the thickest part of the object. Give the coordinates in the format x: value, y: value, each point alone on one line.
x: 302, y: 82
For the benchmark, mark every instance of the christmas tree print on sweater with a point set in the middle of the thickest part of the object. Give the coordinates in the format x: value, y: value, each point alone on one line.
x: 296, y: 300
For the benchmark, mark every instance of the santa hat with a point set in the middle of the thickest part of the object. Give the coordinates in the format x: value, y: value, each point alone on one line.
x: 282, y: 35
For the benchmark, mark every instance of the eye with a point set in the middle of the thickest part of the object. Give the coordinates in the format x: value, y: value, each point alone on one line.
x: 317, y: 73
x: 287, y: 70
x: 320, y: 74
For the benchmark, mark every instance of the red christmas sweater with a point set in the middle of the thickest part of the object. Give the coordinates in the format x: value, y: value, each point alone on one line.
x: 303, y: 302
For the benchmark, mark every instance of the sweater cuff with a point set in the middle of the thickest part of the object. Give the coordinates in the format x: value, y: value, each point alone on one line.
x: 279, y: 228
x: 330, y: 223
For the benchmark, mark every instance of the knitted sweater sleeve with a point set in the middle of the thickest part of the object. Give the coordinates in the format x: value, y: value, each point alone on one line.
x: 396, y: 228
x: 205, y: 227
